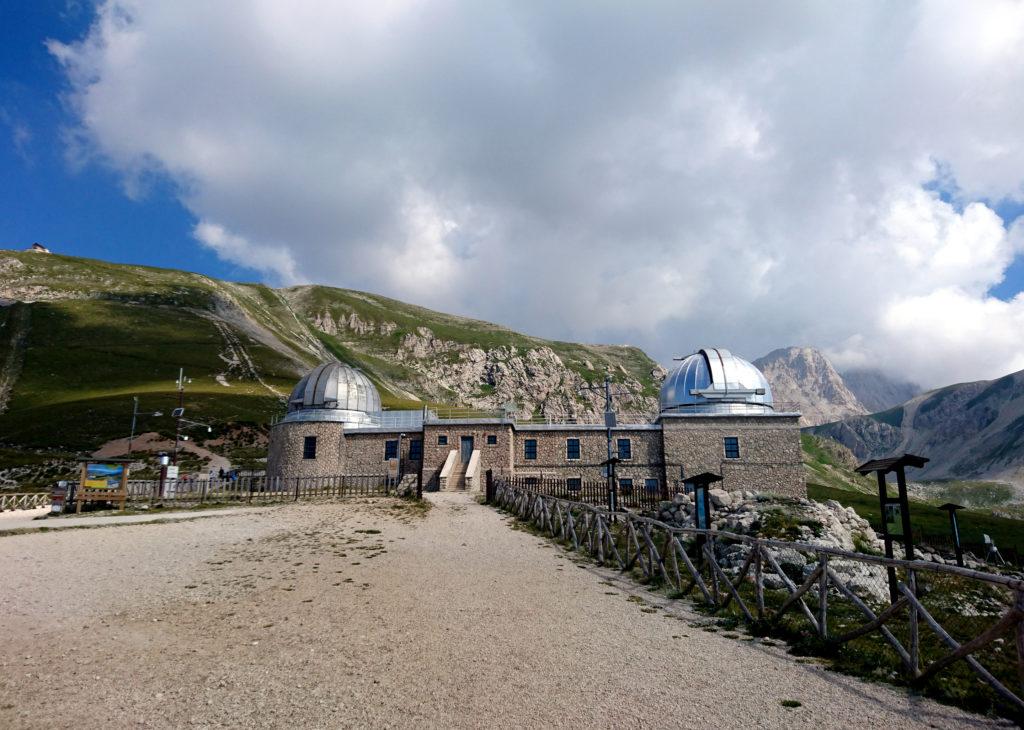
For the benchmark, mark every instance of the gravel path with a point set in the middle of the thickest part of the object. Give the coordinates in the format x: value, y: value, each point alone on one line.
x: 28, y: 519
x: 305, y: 616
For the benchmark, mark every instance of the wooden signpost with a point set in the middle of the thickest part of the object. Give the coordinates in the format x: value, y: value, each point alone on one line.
x: 895, y: 510
x: 103, y: 481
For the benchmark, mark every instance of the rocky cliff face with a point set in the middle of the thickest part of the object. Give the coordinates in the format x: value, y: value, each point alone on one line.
x: 528, y: 382
x: 802, y: 376
x: 876, y: 390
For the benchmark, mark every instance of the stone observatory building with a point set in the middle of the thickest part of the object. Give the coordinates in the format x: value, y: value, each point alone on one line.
x: 716, y: 415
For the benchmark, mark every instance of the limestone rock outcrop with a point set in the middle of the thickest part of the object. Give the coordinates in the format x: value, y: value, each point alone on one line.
x: 803, y: 379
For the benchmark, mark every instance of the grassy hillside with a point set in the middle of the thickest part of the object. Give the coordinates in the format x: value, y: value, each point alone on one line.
x: 85, y: 359
x: 80, y: 337
x: 829, y: 471
x: 932, y: 524
x: 831, y: 464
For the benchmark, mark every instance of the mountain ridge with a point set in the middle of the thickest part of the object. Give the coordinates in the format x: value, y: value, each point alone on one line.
x: 877, y: 391
x: 969, y: 430
x: 80, y: 337
x: 804, y: 376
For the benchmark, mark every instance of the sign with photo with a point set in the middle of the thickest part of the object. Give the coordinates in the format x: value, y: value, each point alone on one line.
x: 894, y: 519
x: 99, y: 475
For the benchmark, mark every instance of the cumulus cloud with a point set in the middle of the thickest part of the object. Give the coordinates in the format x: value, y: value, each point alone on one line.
x: 669, y: 175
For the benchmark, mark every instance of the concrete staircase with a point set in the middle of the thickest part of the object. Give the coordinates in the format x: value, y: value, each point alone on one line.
x: 457, y: 478
x: 456, y: 475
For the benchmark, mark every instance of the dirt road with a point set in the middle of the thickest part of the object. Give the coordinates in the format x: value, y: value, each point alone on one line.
x: 307, y: 616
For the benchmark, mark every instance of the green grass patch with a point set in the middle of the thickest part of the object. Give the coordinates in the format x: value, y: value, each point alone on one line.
x: 931, y: 523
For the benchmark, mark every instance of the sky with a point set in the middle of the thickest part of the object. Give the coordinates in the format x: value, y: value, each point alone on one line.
x: 670, y: 175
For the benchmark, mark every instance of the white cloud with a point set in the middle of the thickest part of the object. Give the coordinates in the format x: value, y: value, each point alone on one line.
x: 269, y: 259
x: 670, y: 175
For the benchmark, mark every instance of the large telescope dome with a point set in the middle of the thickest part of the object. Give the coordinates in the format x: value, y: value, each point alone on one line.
x: 714, y: 381
x: 333, y: 392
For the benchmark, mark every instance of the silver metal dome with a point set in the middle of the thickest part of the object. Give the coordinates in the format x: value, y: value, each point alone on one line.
x: 714, y: 381
x: 333, y: 392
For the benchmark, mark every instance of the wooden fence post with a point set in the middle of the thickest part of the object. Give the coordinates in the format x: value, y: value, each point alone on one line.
x: 758, y: 580
x: 823, y: 596
x: 1020, y: 637
x: 915, y: 636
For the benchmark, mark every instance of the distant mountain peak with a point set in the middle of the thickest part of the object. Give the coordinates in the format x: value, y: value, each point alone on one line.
x: 878, y: 391
x: 804, y: 378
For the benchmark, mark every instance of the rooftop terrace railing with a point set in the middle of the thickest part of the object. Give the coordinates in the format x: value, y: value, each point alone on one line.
x: 414, y: 419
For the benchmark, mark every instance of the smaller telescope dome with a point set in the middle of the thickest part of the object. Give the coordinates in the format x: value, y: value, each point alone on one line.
x: 714, y: 381
x: 333, y: 392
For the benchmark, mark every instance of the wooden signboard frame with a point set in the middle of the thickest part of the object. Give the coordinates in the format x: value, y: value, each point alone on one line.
x: 117, y: 495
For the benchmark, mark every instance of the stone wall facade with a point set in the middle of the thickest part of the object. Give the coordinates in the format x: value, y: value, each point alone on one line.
x: 356, y: 452
x: 365, y: 449
x: 284, y: 455
x: 770, y: 457
x: 769, y: 460
x: 552, y: 460
x: 496, y: 456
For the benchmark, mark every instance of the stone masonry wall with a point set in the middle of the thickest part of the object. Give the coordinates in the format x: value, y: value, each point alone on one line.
x: 284, y: 457
x: 364, y: 451
x: 551, y: 458
x: 495, y: 456
x: 770, y: 453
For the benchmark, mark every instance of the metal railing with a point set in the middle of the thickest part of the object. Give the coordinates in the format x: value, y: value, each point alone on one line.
x: 962, y: 624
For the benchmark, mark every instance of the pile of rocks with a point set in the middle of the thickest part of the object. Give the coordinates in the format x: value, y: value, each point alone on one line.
x: 806, y: 521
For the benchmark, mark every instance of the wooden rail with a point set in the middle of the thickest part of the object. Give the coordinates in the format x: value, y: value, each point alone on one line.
x: 23, y: 500
x: 688, y: 558
x: 258, y: 489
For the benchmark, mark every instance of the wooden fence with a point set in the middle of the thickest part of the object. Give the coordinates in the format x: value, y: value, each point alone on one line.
x: 259, y: 489
x: 24, y: 500
x: 945, y: 619
x: 636, y: 496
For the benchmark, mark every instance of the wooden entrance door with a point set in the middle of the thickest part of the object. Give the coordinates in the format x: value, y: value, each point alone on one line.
x: 466, y: 448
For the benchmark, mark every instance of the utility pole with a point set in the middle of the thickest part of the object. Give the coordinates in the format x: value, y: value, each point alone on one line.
x: 135, y: 412
x: 610, y: 423
x: 179, y: 412
x: 135, y: 415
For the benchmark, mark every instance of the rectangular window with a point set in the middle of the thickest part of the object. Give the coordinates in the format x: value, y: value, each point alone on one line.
x: 572, y: 449
x: 309, y: 447
x: 491, y: 439
x: 625, y: 486
x: 650, y: 485
x: 442, y: 440
x: 625, y: 449
x: 574, y: 484
x: 390, y: 450
x: 530, y: 449
x: 732, y: 447
x: 416, y: 450
x: 532, y: 481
